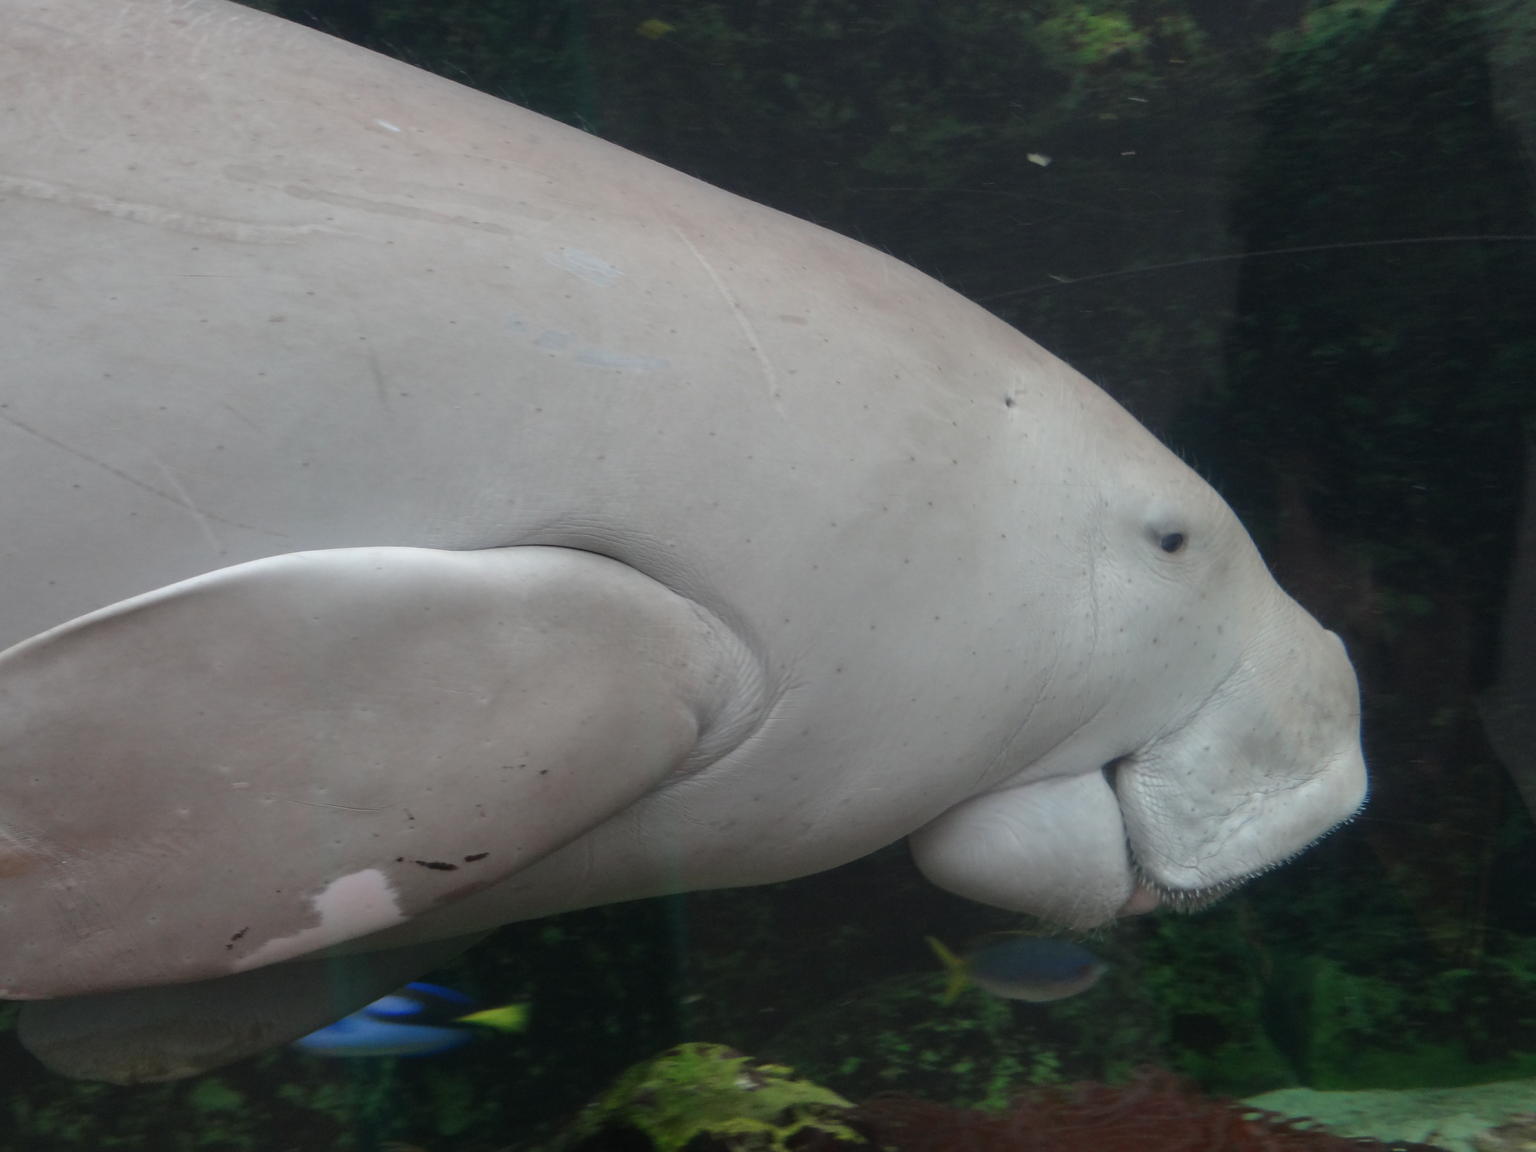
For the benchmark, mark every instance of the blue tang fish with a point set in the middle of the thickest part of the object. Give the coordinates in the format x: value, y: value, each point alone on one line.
x: 418, y: 1020
x: 1017, y: 967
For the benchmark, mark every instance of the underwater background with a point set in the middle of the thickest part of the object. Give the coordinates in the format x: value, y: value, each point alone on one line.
x: 1295, y: 239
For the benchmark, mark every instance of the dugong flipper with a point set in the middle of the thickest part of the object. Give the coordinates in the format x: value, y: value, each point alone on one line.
x: 165, y: 1032
x: 417, y: 515
x: 483, y: 700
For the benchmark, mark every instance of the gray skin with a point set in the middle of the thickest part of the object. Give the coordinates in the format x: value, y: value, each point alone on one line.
x: 417, y: 515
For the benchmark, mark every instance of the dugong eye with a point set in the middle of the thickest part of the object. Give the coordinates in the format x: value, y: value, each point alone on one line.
x: 1171, y: 541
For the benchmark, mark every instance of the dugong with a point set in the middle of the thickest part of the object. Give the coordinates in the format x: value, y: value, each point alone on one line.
x: 418, y: 515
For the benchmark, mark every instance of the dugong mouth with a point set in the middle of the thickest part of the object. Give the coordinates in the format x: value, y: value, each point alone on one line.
x: 1081, y: 850
x: 1252, y: 834
x: 1152, y: 894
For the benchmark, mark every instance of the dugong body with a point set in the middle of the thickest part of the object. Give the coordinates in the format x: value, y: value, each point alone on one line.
x: 417, y: 515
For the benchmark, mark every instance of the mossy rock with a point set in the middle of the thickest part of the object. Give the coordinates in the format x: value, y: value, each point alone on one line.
x: 710, y: 1098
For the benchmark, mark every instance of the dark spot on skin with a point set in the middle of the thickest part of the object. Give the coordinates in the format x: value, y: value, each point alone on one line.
x: 543, y: 771
x: 437, y: 865
x: 476, y: 856
x: 230, y: 946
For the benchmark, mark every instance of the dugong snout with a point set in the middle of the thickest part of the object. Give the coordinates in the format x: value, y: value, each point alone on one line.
x: 1261, y: 771
x: 1263, y: 766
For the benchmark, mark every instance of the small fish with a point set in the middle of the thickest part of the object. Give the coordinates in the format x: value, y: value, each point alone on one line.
x: 1017, y: 967
x: 419, y: 1020
x: 654, y: 29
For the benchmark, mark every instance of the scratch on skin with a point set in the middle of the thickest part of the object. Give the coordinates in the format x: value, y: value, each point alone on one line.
x: 240, y: 231
x: 770, y: 377
x: 385, y: 208
x: 127, y: 478
x: 186, y: 501
x: 378, y: 377
x: 324, y: 804
x: 371, y: 358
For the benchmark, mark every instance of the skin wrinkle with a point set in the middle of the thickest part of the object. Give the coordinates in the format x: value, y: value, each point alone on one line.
x: 1169, y: 732
x: 1092, y: 579
x: 995, y: 769
x: 774, y: 706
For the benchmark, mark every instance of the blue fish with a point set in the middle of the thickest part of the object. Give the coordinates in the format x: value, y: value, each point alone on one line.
x: 419, y: 1020
x: 1018, y: 967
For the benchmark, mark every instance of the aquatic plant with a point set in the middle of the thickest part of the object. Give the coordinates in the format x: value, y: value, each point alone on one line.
x: 699, y: 1097
x: 710, y: 1098
x: 1156, y: 1111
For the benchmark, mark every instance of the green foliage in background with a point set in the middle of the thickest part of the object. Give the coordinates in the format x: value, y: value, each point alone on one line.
x: 1397, y: 376
x: 708, y: 1095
